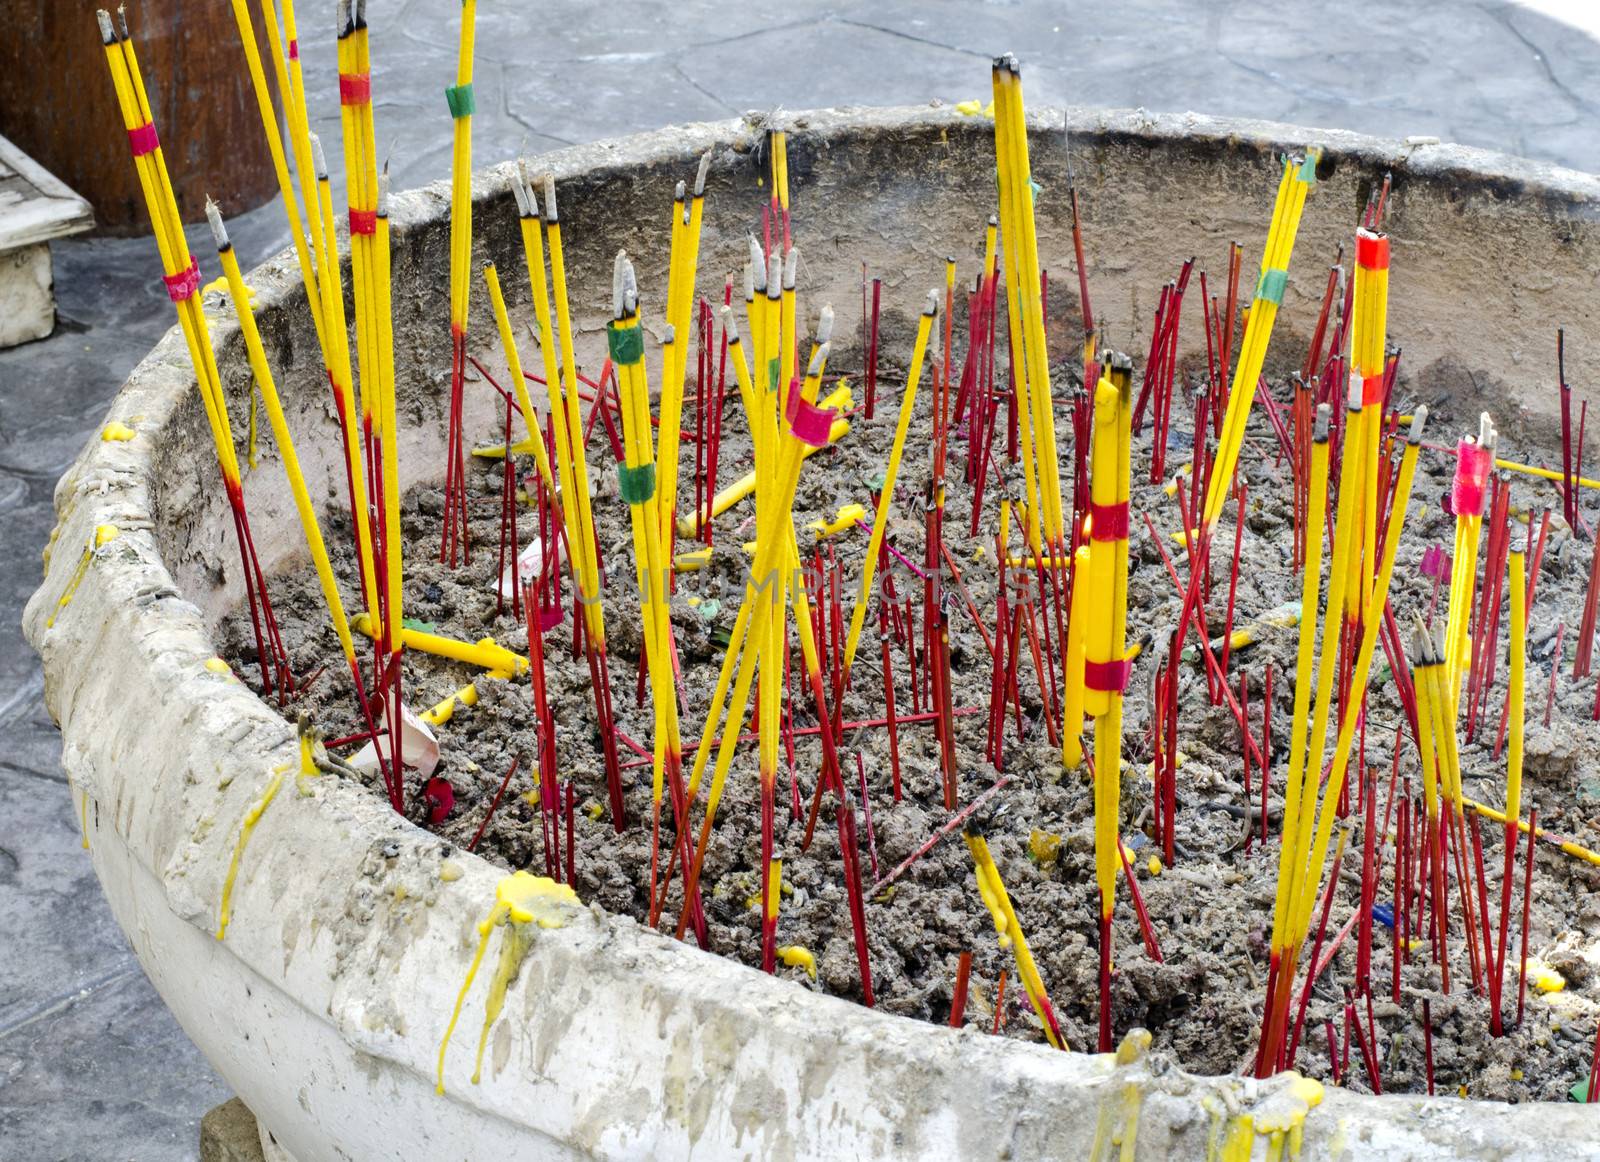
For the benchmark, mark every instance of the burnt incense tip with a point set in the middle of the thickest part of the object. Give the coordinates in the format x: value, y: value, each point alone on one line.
x: 361, y: 13
x: 219, y: 232
x: 932, y: 307
x: 319, y: 163
x: 108, y: 34
x: 550, y: 199
x: 1420, y: 647
x: 749, y: 283
x: 1419, y: 420
x: 790, y: 262
x: 774, y: 275
x: 383, y: 193
x: 700, y: 174
x: 678, y: 192
x: 342, y: 22
x: 758, y: 263
x: 730, y: 324
x: 618, y: 283
x: 819, y: 360
x: 527, y: 185
x: 1319, y: 431
x: 520, y: 193
x: 824, y: 325
x: 122, y: 22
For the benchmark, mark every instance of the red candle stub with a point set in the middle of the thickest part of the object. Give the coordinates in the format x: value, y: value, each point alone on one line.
x: 440, y: 797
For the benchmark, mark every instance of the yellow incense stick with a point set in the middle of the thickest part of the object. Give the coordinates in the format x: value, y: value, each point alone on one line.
x: 636, y: 479
x: 1516, y: 689
x: 1370, y: 620
x: 1298, y: 177
x: 344, y: 392
x: 1009, y: 929
x: 280, y: 167
x: 589, y: 589
x: 508, y: 341
x: 880, y: 522
x: 1072, y: 698
x: 1310, y: 586
x: 262, y: 371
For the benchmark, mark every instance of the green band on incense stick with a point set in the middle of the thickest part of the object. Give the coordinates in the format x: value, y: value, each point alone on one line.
x: 1272, y: 285
x: 626, y: 345
x: 459, y: 98
x: 637, y: 485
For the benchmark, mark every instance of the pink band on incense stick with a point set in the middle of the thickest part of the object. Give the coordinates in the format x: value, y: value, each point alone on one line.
x: 1473, y: 462
x: 809, y: 423
x: 182, y: 285
x: 143, y: 139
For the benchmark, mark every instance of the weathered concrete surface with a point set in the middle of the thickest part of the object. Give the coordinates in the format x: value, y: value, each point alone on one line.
x: 326, y: 1005
x: 92, y: 1064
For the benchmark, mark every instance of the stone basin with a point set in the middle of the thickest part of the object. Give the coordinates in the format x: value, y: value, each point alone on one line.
x: 351, y: 929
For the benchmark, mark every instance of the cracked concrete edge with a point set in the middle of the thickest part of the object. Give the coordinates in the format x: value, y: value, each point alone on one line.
x: 325, y: 1006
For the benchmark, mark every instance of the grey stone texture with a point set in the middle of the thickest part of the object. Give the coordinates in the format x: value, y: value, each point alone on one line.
x: 91, y: 1064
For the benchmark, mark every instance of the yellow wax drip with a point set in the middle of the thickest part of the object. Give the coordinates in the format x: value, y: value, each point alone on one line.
x: 251, y: 818
x: 798, y: 956
x: 521, y: 898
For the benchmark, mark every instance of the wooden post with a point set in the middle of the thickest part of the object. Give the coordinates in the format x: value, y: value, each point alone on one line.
x: 58, y: 106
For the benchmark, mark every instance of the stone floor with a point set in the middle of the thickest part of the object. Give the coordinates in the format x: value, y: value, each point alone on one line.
x: 91, y: 1063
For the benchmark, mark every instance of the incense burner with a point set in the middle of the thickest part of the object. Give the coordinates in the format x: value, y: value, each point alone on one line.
x: 351, y: 930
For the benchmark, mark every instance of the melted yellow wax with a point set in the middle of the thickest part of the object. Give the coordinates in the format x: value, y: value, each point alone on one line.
x: 218, y: 666
x: 1120, y: 1127
x: 251, y: 818
x: 1281, y: 1118
x: 798, y: 956
x: 844, y: 519
x: 1045, y: 847
x: 103, y: 535
x: 521, y: 898
x: 1543, y: 978
x: 115, y: 433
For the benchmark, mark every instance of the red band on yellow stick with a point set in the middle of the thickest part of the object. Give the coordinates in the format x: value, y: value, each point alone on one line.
x: 363, y: 221
x: 1371, y: 390
x: 294, y: 50
x: 355, y: 88
x: 1372, y: 250
x: 143, y: 139
x: 1108, y: 522
x: 1107, y: 677
x: 182, y: 285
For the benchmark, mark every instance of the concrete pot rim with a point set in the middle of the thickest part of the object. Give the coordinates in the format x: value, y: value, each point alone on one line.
x: 201, y: 745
